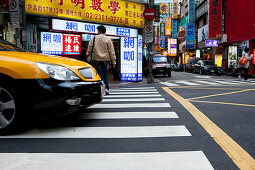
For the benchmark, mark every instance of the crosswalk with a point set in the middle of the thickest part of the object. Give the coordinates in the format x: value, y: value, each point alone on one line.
x: 199, y: 82
x: 130, y: 105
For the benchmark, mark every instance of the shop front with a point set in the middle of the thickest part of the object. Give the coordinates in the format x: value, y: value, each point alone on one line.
x: 65, y: 27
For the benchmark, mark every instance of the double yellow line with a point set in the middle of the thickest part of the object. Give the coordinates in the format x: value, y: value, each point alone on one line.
x: 239, y: 156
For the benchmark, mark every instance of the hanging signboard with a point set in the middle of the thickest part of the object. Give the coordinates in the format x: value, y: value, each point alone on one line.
x: 164, y: 8
x: 211, y: 43
x: 174, y: 28
x: 140, y: 58
x: 168, y: 27
x: 129, y: 59
x: 192, y: 13
x: 172, y: 46
x: 112, y: 12
x: 71, y: 44
x: 51, y: 43
x: 215, y: 8
x: 190, y: 35
x: 162, y: 29
x: 175, y: 9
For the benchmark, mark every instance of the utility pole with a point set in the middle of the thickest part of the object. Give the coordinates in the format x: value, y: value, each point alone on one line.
x: 150, y: 48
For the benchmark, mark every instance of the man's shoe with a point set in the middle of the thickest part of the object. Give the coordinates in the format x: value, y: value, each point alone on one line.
x: 107, y: 91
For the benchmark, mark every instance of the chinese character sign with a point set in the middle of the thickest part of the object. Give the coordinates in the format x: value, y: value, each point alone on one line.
x: 140, y: 57
x: 129, y: 59
x: 215, y: 8
x: 168, y: 27
x: 192, y: 14
x: 117, y: 12
x: 174, y: 28
x: 190, y: 35
x: 162, y: 29
x: 51, y: 43
x: 175, y: 9
x: 71, y: 44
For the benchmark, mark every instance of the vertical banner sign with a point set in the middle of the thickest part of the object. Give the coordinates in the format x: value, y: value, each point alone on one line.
x: 168, y: 25
x: 175, y: 9
x: 162, y: 29
x: 31, y: 44
x: 140, y: 57
x: 51, y: 43
x: 192, y: 14
x: 71, y: 44
x: 172, y: 46
x: 215, y: 18
x: 174, y: 28
x: 190, y: 35
x: 128, y: 59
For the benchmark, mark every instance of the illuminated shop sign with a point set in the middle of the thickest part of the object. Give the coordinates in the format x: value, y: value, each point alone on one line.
x: 211, y: 43
x: 117, y: 12
x: 74, y: 26
x: 140, y: 57
x: 71, y: 44
x: 51, y: 43
x: 129, y: 59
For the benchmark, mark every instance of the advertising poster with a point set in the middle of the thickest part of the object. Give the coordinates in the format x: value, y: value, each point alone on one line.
x: 218, y: 60
x: 203, y: 33
x: 71, y: 44
x: 112, y: 12
x: 174, y: 28
x: 175, y: 9
x: 129, y: 59
x: 232, y: 56
x: 51, y: 43
x: 192, y: 13
x: 215, y: 8
x: 140, y: 57
x: 190, y: 35
x: 168, y: 27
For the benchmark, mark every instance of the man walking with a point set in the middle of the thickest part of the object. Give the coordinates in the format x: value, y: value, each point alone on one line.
x: 104, y: 53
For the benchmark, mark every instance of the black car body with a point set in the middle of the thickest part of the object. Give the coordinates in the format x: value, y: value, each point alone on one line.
x: 206, y: 67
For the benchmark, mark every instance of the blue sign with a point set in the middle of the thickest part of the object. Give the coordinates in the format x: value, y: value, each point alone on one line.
x: 190, y: 35
x: 140, y: 57
x: 51, y: 43
x: 162, y: 43
x: 174, y: 28
x: 192, y: 13
x: 211, y: 43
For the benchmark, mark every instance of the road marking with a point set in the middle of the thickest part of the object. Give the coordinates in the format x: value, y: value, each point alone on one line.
x: 239, y: 156
x: 136, y: 105
x: 126, y: 96
x: 106, y: 161
x: 221, y: 94
x: 142, y: 92
x: 169, y: 84
x: 128, y: 90
x: 135, y: 88
x: 105, y: 132
x: 187, y: 83
x: 134, y: 100
x: 234, y: 104
x: 207, y: 82
x: 129, y: 115
x: 204, y: 77
x: 225, y: 82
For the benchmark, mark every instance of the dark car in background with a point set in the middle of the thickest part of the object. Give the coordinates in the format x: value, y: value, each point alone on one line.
x: 206, y: 67
x: 191, y: 63
x: 160, y: 65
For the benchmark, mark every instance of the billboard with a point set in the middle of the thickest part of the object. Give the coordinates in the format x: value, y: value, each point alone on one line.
x: 215, y: 13
x: 203, y: 33
x: 190, y: 35
x: 51, y: 43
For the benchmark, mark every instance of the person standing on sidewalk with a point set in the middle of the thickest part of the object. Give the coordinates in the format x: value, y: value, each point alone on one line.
x: 245, y: 67
x: 104, y: 53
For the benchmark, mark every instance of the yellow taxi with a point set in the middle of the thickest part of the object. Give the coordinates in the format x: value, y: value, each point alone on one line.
x: 38, y: 85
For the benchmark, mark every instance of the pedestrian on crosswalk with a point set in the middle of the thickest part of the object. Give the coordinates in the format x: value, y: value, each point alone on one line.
x: 103, y: 52
x: 245, y: 67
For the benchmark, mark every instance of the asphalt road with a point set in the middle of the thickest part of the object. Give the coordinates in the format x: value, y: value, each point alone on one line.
x: 149, y: 126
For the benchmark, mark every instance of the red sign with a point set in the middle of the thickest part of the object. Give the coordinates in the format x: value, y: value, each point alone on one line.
x: 71, y: 44
x: 215, y: 13
x: 149, y: 14
x: 253, y: 59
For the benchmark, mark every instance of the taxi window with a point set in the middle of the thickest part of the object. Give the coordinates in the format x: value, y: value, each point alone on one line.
x: 160, y: 59
x: 6, y: 46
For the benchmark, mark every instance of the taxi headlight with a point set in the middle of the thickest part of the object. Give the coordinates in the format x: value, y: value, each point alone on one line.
x: 87, y: 73
x: 57, y: 72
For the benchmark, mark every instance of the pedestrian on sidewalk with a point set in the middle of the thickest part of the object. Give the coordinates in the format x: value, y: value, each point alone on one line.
x: 245, y: 68
x: 103, y: 52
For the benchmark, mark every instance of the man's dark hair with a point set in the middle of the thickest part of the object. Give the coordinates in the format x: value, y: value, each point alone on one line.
x: 246, y: 50
x: 102, y: 29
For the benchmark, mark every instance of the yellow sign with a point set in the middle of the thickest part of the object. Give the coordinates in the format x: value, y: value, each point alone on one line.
x: 168, y: 26
x: 104, y: 11
x: 175, y: 9
x: 219, y: 60
x: 164, y: 8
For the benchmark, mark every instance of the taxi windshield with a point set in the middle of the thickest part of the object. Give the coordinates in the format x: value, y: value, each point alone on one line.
x: 6, y: 46
x: 160, y: 59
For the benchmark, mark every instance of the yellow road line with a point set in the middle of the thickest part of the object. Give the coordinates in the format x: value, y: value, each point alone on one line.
x: 236, y: 104
x: 239, y: 156
x: 178, y: 87
x: 216, y: 88
x: 221, y: 94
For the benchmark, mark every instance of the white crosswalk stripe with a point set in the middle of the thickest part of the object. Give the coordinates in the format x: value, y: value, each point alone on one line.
x: 117, y: 104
